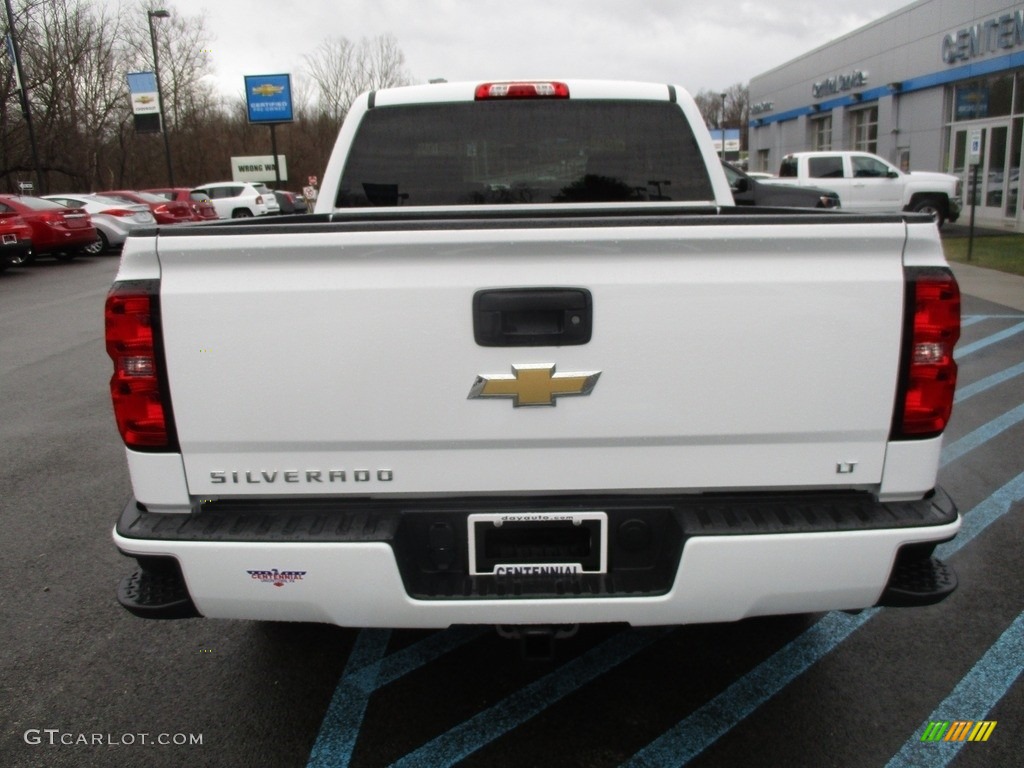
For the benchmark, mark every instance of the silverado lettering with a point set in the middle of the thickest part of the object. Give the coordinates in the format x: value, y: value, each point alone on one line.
x: 219, y: 477
x: 774, y: 382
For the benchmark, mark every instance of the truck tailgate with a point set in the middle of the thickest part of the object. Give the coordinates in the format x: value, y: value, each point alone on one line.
x: 341, y: 361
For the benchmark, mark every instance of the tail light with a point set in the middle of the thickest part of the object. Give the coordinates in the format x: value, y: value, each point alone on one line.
x: 259, y: 199
x: 53, y: 218
x: 927, y: 369
x: 138, y: 387
x: 120, y: 212
x: 526, y: 90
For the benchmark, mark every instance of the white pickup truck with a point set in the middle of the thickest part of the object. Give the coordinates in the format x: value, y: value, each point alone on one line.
x: 527, y: 365
x: 868, y: 184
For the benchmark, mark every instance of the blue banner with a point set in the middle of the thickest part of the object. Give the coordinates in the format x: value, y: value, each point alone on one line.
x: 268, y: 98
x: 14, y: 61
x: 145, y: 99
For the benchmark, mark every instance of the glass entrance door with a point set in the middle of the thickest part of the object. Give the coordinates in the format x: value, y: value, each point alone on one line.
x: 996, y: 191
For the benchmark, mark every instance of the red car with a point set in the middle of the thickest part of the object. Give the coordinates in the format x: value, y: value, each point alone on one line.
x: 57, y: 230
x: 15, y: 240
x: 201, y: 205
x: 165, y: 211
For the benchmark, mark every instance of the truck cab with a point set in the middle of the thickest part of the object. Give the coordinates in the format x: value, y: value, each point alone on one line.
x: 866, y: 183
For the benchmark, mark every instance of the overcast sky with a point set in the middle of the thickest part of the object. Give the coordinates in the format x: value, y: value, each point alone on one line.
x: 694, y: 43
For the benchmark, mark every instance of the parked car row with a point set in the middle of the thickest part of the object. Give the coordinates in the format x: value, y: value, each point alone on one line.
x: 113, y: 219
x: 239, y: 200
x: 101, y: 221
x: 199, y: 202
x: 35, y: 227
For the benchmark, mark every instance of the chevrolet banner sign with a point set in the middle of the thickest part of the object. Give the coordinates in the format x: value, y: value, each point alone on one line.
x: 145, y: 101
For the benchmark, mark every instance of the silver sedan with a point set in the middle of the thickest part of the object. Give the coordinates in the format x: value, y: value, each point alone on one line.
x: 113, y: 219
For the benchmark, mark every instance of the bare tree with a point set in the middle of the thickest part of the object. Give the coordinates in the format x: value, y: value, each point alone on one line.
x: 74, y: 60
x: 728, y: 108
x: 382, y: 63
x: 76, y: 56
x: 341, y: 70
x: 333, y: 69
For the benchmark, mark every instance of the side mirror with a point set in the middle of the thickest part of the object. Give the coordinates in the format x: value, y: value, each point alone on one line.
x: 742, y: 185
x: 892, y: 175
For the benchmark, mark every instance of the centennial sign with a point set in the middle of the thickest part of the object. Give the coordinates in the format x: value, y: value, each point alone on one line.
x: 1002, y: 33
x: 833, y: 85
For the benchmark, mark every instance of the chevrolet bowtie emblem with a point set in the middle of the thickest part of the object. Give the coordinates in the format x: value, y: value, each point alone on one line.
x: 534, y: 385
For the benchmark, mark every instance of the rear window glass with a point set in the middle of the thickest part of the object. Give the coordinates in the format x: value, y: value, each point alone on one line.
x: 37, y: 204
x: 521, y: 152
x: 826, y: 167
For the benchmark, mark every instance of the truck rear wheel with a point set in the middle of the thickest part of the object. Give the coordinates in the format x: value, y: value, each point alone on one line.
x: 933, y: 206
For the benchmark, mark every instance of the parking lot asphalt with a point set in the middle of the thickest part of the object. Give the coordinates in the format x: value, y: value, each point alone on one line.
x: 83, y: 683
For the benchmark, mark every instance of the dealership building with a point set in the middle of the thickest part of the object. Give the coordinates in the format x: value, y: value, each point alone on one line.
x: 915, y: 87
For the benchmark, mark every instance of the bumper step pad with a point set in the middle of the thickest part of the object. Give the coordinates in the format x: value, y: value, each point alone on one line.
x: 156, y: 594
x: 923, y: 581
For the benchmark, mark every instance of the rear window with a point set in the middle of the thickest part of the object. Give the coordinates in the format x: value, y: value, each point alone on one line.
x: 37, y: 204
x: 826, y: 167
x: 220, y: 193
x: 521, y: 152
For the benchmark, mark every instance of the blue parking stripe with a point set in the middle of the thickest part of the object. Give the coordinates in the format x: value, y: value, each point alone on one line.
x: 969, y: 391
x: 972, y: 699
x: 527, y: 702
x: 367, y: 671
x: 981, y: 435
x: 705, y: 726
x: 969, y: 320
x: 344, y: 718
x: 983, y: 515
x: 717, y: 717
x: 407, y: 660
x: 995, y: 338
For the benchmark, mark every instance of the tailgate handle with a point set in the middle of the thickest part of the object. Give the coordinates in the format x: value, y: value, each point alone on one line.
x: 532, y: 317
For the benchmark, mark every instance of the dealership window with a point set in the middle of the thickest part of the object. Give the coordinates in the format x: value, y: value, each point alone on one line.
x: 821, y: 133
x: 864, y: 129
x: 988, y: 97
x: 763, y: 160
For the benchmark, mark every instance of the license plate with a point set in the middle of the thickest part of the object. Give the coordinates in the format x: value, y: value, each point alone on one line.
x: 10, y: 239
x: 537, y: 544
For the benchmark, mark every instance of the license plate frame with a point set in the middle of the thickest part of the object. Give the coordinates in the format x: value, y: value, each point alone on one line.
x: 540, y: 544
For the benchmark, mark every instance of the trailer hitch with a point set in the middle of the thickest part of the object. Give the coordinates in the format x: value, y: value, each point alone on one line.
x: 537, y: 641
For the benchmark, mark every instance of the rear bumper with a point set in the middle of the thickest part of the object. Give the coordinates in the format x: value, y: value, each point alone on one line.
x: 16, y: 253
x: 379, y: 564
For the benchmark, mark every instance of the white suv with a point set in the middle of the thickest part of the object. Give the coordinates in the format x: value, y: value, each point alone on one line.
x: 268, y: 197
x: 239, y: 199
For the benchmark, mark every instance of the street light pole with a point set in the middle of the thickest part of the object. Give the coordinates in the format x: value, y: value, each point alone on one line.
x: 161, y: 14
